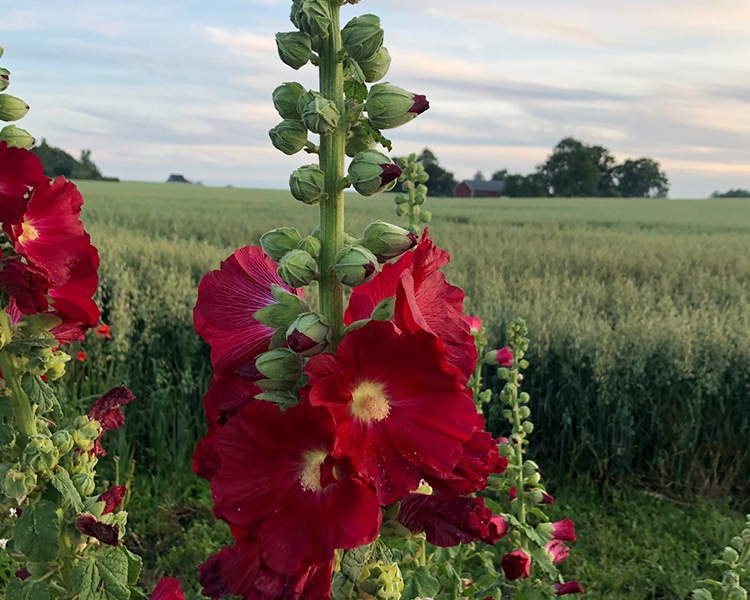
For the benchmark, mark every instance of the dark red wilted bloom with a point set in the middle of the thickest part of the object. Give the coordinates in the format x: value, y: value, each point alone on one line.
x: 168, y: 588
x: 391, y: 172
x: 112, y: 498
x: 448, y: 519
x: 240, y: 570
x: 19, y: 170
x: 516, y: 564
x: 23, y: 574
x: 424, y: 301
x: 277, y: 478
x: 107, y: 411
x: 26, y: 286
x: 564, y: 530
x: 557, y: 551
x: 104, y: 331
x: 227, y: 302
x: 420, y: 104
x: 399, y: 408
x: 106, y: 534
x: 569, y: 587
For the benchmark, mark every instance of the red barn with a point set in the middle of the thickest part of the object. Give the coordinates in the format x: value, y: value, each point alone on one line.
x: 479, y: 188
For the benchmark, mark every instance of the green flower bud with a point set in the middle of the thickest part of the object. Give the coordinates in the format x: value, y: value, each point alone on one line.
x: 40, y: 453
x: 387, y: 241
x: 277, y: 242
x: 307, y: 184
x: 295, y: 48
x: 84, y: 483
x: 529, y: 467
x: 289, y: 136
x: 4, y: 79
x: 362, y: 37
x: 18, y: 484
x: 86, y: 433
x: 737, y: 593
x: 425, y: 217
x: 358, y: 139
x: 527, y: 427
x: 701, y: 594
x: 308, y: 334
x: 281, y: 368
x: 737, y: 543
x: 312, y: 17
x: 389, y: 106
x: 12, y: 108
x: 311, y: 245
x: 355, y: 265
x: 282, y: 313
x: 371, y: 172
x: 63, y: 441
x: 285, y: 99
x: 320, y: 115
x: 536, y: 496
x: 380, y: 581
x: 377, y: 66
x: 297, y: 268
x: 730, y: 555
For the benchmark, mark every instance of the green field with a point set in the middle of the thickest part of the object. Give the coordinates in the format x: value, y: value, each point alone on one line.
x: 639, y: 312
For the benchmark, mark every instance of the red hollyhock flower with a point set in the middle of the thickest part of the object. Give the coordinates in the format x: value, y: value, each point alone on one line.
x: 26, y: 286
x: 564, y: 530
x: 277, y: 476
x: 240, y: 570
x: 516, y: 564
x: 399, y: 408
x: 424, y: 301
x: 226, y: 395
x: 168, y: 588
x: 112, y: 498
x: 474, y: 323
x: 570, y: 587
x: 107, y: 411
x: 106, y: 534
x: 228, y: 299
x: 480, y: 458
x: 19, y: 170
x: 51, y: 236
x: 557, y: 551
x: 448, y: 519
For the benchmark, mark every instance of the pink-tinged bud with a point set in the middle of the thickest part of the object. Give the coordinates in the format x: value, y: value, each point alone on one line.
x: 4, y: 78
x: 557, y: 551
x: 497, y: 528
x: 474, y: 323
x: 16, y: 137
x: 502, y: 357
x: 371, y: 172
x: 389, y: 106
x: 569, y: 587
x: 387, y: 241
x: 12, y: 108
x: 355, y: 265
x: 545, y: 498
x: 516, y: 564
x: 564, y: 530
x: 308, y: 334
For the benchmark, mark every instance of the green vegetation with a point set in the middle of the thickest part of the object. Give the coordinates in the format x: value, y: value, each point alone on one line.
x: 57, y: 162
x: 640, y: 354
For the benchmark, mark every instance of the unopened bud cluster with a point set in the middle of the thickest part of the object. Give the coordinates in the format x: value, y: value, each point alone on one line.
x: 12, y: 109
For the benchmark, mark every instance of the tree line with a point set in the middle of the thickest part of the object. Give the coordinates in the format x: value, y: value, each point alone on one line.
x: 574, y: 169
x: 56, y: 162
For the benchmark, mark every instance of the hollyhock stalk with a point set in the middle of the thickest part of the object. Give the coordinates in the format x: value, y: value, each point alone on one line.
x: 22, y: 413
x: 331, y: 159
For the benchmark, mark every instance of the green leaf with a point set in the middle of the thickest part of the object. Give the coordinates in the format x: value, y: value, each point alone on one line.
x: 103, y: 577
x: 37, y: 532
x: 21, y: 590
x: 419, y: 584
x: 64, y: 484
x: 354, y: 90
x: 7, y: 434
x: 39, y: 392
x: 135, y: 564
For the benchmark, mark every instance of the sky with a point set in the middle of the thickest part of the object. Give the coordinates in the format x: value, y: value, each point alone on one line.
x: 154, y: 87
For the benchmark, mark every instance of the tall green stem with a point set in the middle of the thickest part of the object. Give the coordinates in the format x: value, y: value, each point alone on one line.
x: 332, y: 163
x: 22, y: 414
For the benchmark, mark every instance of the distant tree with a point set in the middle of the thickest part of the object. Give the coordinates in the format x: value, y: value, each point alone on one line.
x: 56, y: 162
x: 478, y: 176
x: 732, y: 193
x: 526, y: 186
x: 641, y: 178
x: 575, y: 169
x: 441, y: 182
x: 86, y: 169
x: 500, y: 175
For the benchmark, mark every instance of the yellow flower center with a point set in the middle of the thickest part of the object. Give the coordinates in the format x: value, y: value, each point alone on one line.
x: 28, y: 232
x: 369, y: 402
x: 310, y: 477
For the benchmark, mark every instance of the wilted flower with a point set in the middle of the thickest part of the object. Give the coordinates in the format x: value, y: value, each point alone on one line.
x: 516, y: 564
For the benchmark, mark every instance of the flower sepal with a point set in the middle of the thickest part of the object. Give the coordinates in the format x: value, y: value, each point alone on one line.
x: 295, y: 48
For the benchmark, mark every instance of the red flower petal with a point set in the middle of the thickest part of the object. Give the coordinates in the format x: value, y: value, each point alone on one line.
x: 112, y: 498
x: 26, y: 285
x: 168, y: 588
x: 107, y: 411
x: 276, y: 475
x: 399, y: 408
x: 106, y: 534
x: 228, y: 299
x: 516, y: 564
x: 19, y: 170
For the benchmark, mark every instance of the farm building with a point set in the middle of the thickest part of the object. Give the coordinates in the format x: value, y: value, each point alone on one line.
x: 175, y: 178
x: 479, y: 188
